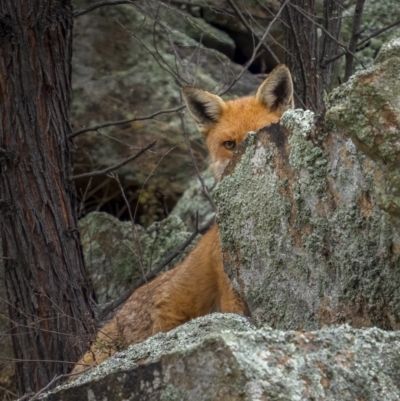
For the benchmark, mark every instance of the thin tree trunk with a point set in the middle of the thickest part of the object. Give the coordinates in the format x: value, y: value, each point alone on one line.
x: 48, y: 292
x: 358, y: 12
x: 308, y: 45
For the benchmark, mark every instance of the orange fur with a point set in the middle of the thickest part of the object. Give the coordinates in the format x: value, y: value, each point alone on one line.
x: 199, y: 285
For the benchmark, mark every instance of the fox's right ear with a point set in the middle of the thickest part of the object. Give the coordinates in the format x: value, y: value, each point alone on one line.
x: 205, y: 107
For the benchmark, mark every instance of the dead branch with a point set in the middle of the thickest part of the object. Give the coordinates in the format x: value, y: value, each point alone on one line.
x: 99, y: 4
x: 129, y: 120
x: 262, y: 39
x: 362, y: 42
x: 116, y: 166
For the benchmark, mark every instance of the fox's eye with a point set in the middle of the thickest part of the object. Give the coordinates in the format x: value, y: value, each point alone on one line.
x: 230, y: 145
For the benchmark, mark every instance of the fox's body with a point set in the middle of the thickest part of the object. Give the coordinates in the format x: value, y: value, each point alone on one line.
x: 199, y: 285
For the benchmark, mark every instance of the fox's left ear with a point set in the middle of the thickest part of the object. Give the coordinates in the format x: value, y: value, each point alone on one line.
x: 276, y: 92
x: 205, y: 107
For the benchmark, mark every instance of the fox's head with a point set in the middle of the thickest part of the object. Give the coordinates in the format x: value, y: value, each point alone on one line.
x: 225, y: 124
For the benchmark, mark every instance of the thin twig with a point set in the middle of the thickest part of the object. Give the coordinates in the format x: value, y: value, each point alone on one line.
x: 129, y: 120
x: 266, y: 33
x: 116, y: 166
x: 153, y: 273
x: 373, y: 35
x: 99, y: 4
x: 8, y: 391
x: 378, y: 32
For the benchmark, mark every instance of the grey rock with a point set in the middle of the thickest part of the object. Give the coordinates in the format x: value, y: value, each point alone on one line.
x: 303, y: 236
x: 367, y: 109
x: 223, y: 357
x: 118, y: 253
x: 194, y: 202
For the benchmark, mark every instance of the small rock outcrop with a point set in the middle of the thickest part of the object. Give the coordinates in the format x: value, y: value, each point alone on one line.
x: 222, y: 357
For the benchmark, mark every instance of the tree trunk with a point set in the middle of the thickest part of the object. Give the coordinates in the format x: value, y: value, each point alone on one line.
x: 308, y: 46
x: 48, y: 292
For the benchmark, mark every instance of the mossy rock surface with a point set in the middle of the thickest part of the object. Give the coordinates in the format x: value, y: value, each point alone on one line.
x: 118, y: 253
x: 304, y: 238
x: 223, y: 357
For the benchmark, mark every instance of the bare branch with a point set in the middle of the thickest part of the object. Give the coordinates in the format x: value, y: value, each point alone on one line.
x: 129, y: 120
x: 365, y: 40
x: 55, y: 380
x: 378, y: 32
x: 99, y: 4
x: 266, y: 33
x: 116, y: 166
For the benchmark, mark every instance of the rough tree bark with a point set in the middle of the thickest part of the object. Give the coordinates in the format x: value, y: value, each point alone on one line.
x: 309, y: 41
x: 48, y: 293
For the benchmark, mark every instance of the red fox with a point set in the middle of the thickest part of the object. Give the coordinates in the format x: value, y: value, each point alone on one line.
x: 199, y: 285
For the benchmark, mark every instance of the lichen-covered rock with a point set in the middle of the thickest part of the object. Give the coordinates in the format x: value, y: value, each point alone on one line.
x: 367, y: 108
x: 118, y: 253
x: 303, y: 238
x: 222, y: 357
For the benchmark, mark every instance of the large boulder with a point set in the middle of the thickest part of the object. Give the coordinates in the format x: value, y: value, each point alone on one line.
x: 309, y: 222
x: 223, y: 357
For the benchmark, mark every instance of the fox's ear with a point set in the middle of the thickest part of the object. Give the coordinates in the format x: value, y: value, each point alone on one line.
x: 205, y: 107
x: 276, y: 92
